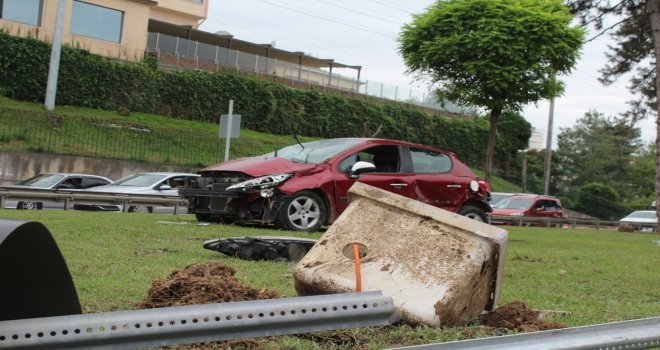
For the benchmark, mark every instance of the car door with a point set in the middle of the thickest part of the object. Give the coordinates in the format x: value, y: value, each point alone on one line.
x: 551, y: 209
x: 390, y: 174
x: 434, y: 181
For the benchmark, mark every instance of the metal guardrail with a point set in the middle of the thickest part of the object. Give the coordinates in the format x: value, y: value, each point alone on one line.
x: 198, y: 323
x: 68, y: 198
x: 635, y: 334
x: 559, y: 222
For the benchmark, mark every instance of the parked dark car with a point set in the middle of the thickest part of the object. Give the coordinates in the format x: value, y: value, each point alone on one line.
x: 527, y: 205
x: 304, y: 186
x: 56, y: 181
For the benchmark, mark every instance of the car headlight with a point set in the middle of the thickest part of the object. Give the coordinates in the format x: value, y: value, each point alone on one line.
x: 260, y: 183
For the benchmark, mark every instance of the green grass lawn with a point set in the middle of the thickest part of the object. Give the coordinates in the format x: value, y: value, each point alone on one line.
x: 596, y: 276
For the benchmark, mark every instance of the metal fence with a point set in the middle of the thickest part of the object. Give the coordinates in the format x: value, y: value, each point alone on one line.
x: 198, y: 55
x: 114, y: 139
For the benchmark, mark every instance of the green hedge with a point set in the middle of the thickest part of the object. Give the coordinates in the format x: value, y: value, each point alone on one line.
x: 92, y: 81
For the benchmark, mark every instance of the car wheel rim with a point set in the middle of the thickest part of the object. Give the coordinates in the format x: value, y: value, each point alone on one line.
x: 303, y: 213
x: 29, y: 206
x: 474, y: 216
x: 141, y: 209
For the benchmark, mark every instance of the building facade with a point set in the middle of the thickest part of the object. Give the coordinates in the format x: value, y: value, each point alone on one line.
x: 111, y: 28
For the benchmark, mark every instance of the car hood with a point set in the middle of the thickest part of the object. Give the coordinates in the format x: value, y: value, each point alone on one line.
x: 260, y: 166
x: 497, y: 211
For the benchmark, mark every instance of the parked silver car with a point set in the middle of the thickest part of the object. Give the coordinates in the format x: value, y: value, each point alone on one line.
x: 54, y: 181
x: 642, y: 220
x: 155, y: 183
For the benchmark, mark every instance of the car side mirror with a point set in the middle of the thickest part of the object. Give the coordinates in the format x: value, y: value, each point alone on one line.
x: 164, y: 187
x: 359, y: 168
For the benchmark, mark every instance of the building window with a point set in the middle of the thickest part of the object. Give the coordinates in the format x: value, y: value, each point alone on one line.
x: 96, y: 22
x: 24, y: 11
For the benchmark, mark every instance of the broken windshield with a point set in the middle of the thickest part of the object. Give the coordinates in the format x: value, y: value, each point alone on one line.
x: 314, y: 152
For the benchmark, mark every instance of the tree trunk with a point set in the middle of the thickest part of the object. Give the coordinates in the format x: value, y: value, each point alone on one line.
x: 492, y: 137
x: 653, y: 10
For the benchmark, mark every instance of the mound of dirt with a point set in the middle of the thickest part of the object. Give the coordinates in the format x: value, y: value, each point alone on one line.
x: 517, y: 316
x: 213, y: 282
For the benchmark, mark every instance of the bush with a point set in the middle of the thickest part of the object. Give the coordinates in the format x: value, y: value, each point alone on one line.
x: 600, y: 200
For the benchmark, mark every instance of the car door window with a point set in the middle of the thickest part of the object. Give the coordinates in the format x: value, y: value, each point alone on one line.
x: 429, y: 162
x: 387, y: 159
x: 71, y: 182
x: 93, y: 182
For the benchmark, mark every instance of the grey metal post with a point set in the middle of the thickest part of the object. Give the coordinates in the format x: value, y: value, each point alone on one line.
x: 228, y: 133
x: 548, y: 149
x: 54, y: 68
x: 256, y: 65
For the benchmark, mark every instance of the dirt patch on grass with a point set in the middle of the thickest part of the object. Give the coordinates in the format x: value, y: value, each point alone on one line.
x: 213, y: 282
x: 517, y: 316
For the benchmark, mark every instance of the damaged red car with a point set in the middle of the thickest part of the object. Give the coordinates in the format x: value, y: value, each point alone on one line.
x: 304, y: 186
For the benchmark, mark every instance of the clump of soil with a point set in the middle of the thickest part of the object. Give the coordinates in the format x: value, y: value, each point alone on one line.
x: 213, y: 282
x: 517, y: 316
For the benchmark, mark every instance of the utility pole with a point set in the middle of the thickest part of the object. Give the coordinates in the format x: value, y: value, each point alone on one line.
x: 548, y: 150
x: 53, y: 69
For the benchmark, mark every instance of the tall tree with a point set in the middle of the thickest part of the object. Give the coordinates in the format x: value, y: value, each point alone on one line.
x: 637, y: 35
x: 495, y: 54
x: 598, y: 149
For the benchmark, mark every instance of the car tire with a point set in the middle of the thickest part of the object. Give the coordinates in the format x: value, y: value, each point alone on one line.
x: 303, y: 211
x: 473, y: 212
x: 24, y: 205
x: 202, y: 217
x: 140, y: 209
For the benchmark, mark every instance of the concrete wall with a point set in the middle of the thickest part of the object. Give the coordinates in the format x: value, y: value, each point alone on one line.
x: 16, y: 166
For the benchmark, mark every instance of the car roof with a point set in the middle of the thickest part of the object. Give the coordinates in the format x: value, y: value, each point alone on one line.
x: 376, y: 141
x: 166, y: 173
x: 72, y: 174
x: 534, y: 196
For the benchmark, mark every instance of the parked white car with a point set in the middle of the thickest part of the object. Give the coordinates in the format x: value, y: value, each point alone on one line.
x: 53, y: 181
x: 643, y: 220
x: 155, y: 183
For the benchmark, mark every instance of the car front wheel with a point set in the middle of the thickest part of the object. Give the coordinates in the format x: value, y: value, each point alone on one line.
x: 140, y: 209
x: 304, y: 211
x: 473, y: 213
x: 29, y: 205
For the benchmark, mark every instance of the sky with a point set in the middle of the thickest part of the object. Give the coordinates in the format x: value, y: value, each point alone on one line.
x: 364, y: 33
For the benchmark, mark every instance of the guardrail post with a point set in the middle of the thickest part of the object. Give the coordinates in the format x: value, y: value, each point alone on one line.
x: 3, y: 200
